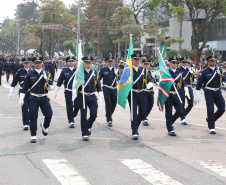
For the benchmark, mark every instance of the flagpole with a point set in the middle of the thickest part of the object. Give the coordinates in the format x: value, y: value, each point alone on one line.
x: 83, y: 96
x: 131, y: 37
x: 173, y: 84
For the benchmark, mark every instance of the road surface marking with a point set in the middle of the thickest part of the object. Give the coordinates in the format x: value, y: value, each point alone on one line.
x: 64, y: 172
x: 215, y: 167
x: 151, y: 174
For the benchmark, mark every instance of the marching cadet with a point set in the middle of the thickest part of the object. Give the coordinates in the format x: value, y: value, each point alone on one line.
x: 141, y: 81
x: 92, y: 83
x: 212, y: 79
x: 1, y: 70
x: 67, y: 75
x: 19, y: 78
x: 187, y: 75
x: 52, y: 67
x: 174, y: 98
x: 15, y: 66
x: 7, y: 69
x: 109, y: 75
x: 149, y: 92
x: 38, y: 81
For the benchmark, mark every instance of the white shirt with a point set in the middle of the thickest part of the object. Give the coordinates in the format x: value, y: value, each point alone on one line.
x: 136, y: 68
x: 38, y: 70
x: 174, y: 70
x: 27, y: 69
x: 71, y: 68
x: 212, y: 68
x: 110, y: 68
x: 87, y: 70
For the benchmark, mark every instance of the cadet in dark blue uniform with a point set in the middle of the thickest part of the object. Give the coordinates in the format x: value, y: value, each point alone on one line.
x: 187, y: 75
x: 141, y: 81
x: 19, y: 78
x: 67, y: 76
x: 109, y: 75
x: 92, y: 83
x: 39, y: 82
x: 173, y: 99
x: 212, y: 79
x: 52, y: 67
x: 1, y: 70
x: 149, y: 92
x: 7, y: 69
x: 15, y: 66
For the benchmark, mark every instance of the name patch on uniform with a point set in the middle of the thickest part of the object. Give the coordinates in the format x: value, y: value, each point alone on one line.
x: 105, y: 73
x: 66, y: 74
x: 208, y: 74
x: 33, y: 77
x: 22, y: 76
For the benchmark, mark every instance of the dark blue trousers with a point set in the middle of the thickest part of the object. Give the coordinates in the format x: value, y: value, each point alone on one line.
x: 25, y: 110
x: 52, y: 75
x: 72, y: 110
x: 214, y: 97
x: 44, y: 104
x: 91, y: 103
x: 110, y: 97
x: 182, y: 96
x: 1, y: 78
x: 172, y: 100
x: 140, y: 101
x: 190, y: 102
x: 150, y: 101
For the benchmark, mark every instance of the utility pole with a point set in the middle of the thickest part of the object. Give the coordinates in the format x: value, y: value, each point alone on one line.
x: 156, y: 36
x: 18, y: 44
x: 78, y: 25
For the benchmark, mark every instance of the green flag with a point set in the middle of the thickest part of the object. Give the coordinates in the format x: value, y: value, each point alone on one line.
x: 163, y: 50
x: 165, y: 84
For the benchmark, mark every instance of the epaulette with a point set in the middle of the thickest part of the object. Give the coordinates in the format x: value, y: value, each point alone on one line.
x: 205, y: 69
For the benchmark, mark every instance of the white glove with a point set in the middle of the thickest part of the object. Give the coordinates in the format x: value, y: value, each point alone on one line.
x: 223, y: 84
x: 116, y: 72
x: 152, y: 74
x: 21, y: 100
x: 10, y: 92
x: 190, y: 70
x: 44, y: 75
x: 187, y: 92
x: 101, y: 98
x: 149, y: 85
x: 195, y: 80
x: 51, y: 87
x: 56, y: 91
x: 157, y: 83
x: 196, y: 101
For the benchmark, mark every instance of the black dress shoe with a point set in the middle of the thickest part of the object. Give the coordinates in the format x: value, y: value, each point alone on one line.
x: 33, y: 139
x: 171, y: 133
x: 110, y: 123
x: 135, y: 136
x: 44, y: 133
x: 145, y: 123
x: 212, y: 132
x: 183, y: 123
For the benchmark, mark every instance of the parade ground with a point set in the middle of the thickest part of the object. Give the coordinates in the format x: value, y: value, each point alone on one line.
x: 111, y: 156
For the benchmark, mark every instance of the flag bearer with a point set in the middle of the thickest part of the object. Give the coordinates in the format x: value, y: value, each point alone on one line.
x: 174, y: 98
x: 88, y: 97
x: 67, y: 76
x: 109, y: 75
x: 141, y: 81
x: 38, y: 81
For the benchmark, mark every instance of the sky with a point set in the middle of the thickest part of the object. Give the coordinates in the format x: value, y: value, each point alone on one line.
x: 7, y: 7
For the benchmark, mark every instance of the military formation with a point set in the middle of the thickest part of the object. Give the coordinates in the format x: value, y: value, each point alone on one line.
x: 35, y: 77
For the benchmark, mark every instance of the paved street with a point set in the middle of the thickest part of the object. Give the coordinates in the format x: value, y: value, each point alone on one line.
x: 110, y: 157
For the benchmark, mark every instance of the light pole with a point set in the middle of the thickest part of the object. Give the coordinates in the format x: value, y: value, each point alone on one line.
x: 18, y: 41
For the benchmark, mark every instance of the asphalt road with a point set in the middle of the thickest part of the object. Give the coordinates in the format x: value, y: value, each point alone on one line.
x: 110, y: 156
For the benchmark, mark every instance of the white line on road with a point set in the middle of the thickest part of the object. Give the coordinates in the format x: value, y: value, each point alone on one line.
x: 64, y: 172
x: 151, y: 174
x: 215, y: 167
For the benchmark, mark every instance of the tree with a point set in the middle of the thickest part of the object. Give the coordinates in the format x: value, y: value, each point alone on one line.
x: 211, y: 9
x: 68, y: 45
x: 172, y: 53
x: 95, y: 26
